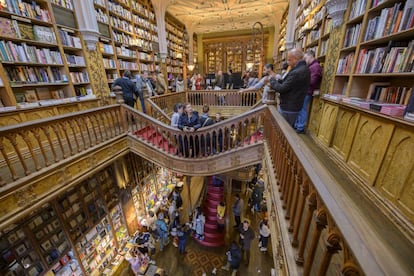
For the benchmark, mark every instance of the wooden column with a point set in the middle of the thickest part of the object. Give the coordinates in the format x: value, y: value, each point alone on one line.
x: 190, y: 209
x: 228, y: 192
x: 311, y: 207
x: 293, y: 207
x: 332, y: 247
x: 302, y: 198
x: 320, y: 220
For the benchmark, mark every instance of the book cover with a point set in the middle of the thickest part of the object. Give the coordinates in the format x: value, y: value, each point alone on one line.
x: 6, y: 28
x: 30, y: 96
x: 43, y: 93
x: 410, y: 103
x: 25, y: 30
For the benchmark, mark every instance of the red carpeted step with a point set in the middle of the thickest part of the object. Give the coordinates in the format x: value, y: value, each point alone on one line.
x: 214, y: 192
x: 210, y: 225
x: 214, y: 196
x: 211, y: 209
x: 211, y: 218
x: 213, y: 236
x: 213, y: 201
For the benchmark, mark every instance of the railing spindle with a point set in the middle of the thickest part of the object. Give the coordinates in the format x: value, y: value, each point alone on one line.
x: 36, y: 134
x: 305, y: 231
x: 72, y: 126
x: 26, y: 139
x: 6, y: 158
x: 13, y: 140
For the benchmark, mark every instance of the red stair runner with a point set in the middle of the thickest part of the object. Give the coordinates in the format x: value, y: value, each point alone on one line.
x: 152, y: 136
x: 212, y: 238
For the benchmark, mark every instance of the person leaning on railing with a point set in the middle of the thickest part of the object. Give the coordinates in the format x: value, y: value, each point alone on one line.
x: 293, y: 87
x: 189, y: 121
x: 129, y: 90
x: 264, y: 82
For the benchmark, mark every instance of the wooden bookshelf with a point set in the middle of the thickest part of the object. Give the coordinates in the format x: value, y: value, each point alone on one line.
x: 42, y: 54
x: 281, y: 47
x: 375, y: 62
x: 177, y: 47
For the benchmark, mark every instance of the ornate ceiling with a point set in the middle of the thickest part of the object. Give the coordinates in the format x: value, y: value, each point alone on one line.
x: 206, y: 16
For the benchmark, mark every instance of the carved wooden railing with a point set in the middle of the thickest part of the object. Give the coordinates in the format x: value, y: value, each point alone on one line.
x: 30, y: 147
x: 166, y: 102
x: 233, y: 133
x: 326, y: 232
x: 156, y: 112
x: 217, y: 98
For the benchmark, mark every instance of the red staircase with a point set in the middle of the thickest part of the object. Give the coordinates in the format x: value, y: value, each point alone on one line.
x: 212, y: 238
x: 151, y: 135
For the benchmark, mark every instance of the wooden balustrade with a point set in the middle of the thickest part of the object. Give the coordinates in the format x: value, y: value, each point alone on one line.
x: 156, y: 112
x: 325, y: 233
x: 222, y: 137
x: 30, y: 147
x: 223, y: 97
x: 167, y: 101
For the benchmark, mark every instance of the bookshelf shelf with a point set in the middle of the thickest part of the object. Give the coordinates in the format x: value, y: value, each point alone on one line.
x: 387, y: 75
x: 30, y: 42
x: 81, y: 83
x: 22, y: 18
x: 404, y: 35
x: 348, y: 49
x: 382, y: 5
x: 19, y: 63
x: 355, y: 20
x: 39, y: 84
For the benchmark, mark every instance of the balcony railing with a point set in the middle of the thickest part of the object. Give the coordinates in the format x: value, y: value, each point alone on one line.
x: 328, y: 230
x: 30, y: 147
x: 212, y: 98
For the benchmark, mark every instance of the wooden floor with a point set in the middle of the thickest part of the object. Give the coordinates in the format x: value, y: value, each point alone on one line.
x: 200, y: 259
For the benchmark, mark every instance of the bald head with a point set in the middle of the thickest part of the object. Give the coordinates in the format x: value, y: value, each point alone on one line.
x: 294, y: 56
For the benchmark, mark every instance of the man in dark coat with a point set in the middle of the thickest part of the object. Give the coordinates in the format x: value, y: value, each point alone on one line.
x: 293, y: 87
x: 128, y: 88
x: 189, y: 121
x: 233, y: 257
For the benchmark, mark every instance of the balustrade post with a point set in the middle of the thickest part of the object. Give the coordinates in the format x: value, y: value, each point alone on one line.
x: 13, y: 141
x: 304, y: 190
x: 294, y: 204
x: 350, y: 269
x: 332, y: 247
x: 72, y: 127
x: 9, y: 165
x: 292, y: 184
x: 311, y: 208
x: 321, y: 222
x: 42, y: 150
x: 49, y: 139
x: 26, y: 139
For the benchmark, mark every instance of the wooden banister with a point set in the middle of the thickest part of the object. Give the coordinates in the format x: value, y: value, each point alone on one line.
x: 158, y: 113
x: 316, y: 207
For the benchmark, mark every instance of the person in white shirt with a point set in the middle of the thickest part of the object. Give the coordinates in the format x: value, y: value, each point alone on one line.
x: 178, y: 110
x: 264, y: 232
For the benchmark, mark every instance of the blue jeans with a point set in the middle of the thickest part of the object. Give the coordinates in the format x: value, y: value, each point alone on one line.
x: 303, y: 114
x: 181, y: 246
x: 163, y: 240
x: 290, y: 116
x: 142, y: 100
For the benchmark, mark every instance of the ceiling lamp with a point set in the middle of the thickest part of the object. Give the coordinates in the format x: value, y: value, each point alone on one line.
x: 190, y: 67
x: 336, y: 10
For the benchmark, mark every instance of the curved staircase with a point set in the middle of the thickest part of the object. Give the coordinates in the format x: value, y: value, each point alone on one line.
x: 212, y: 238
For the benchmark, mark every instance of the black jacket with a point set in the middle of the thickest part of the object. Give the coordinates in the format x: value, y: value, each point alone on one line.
x: 128, y: 88
x: 293, y: 88
x: 193, y: 121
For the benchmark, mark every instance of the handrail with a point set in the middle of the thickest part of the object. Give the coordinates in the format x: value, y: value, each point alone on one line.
x: 307, y: 192
x: 236, y: 132
x: 223, y: 98
x: 166, y: 102
x: 158, y: 113
x: 32, y: 146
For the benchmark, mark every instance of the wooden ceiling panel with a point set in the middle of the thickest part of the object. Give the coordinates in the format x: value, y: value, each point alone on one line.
x: 222, y: 15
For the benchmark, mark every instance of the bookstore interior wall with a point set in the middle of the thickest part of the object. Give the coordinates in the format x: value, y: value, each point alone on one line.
x: 87, y: 228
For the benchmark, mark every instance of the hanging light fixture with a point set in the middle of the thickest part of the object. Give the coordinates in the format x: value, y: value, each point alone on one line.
x: 336, y: 10
x: 190, y: 67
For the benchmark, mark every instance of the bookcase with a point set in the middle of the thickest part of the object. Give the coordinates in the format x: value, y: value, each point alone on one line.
x: 312, y: 28
x: 129, y: 39
x: 37, y: 246
x: 375, y: 66
x: 177, y: 47
x: 42, y: 63
x: 281, y: 47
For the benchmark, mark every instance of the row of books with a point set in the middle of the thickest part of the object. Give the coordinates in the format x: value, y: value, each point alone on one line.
x: 69, y: 40
x: 79, y: 77
x: 101, y: 16
x: 119, y: 10
x: 26, y: 74
x: 27, y: 9
x: 352, y: 35
x: 395, y: 19
x: 123, y: 38
x: 109, y: 63
x: 384, y: 92
x: 106, y: 48
x: 149, y: 67
x: 345, y: 64
x: 75, y: 60
x: 23, y: 30
x: 357, y: 8
x: 138, y: 7
x: 386, y: 59
x: 112, y: 76
x: 122, y: 51
x: 144, y: 23
x: 122, y: 64
x: 82, y: 91
x: 64, y: 3
x: 144, y: 34
x: 121, y: 24
x: 13, y: 52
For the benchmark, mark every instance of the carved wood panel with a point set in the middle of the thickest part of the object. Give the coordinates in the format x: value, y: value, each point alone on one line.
x: 315, y: 115
x: 396, y: 178
x: 328, y: 121
x: 370, y: 144
x: 344, y: 132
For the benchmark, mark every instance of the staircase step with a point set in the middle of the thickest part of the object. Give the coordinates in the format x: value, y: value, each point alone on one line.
x: 213, y: 236
x: 212, y: 201
x: 215, y: 196
x: 210, y: 225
